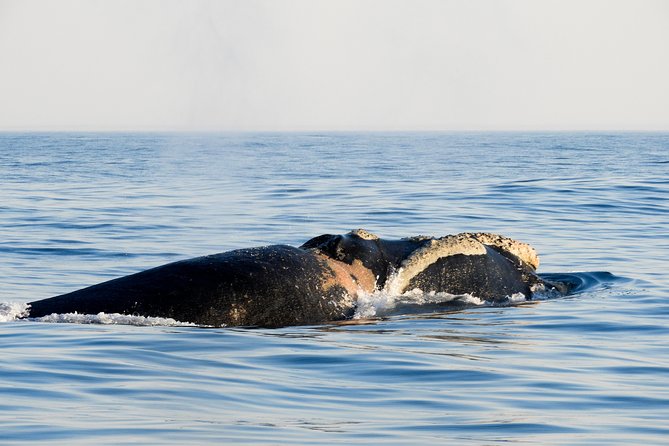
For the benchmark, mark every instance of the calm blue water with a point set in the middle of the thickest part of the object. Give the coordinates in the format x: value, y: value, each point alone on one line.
x: 593, y: 368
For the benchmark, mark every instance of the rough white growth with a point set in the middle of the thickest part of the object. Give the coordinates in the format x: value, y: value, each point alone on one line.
x: 364, y: 234
x: 465, y: 243
x: 425, y: 256
x: 523, y: 251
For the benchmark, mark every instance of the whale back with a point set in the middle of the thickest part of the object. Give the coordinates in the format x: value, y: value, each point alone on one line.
x: 271, y: 286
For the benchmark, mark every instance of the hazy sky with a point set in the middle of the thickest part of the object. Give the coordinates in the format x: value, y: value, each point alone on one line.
x: 334, y: 65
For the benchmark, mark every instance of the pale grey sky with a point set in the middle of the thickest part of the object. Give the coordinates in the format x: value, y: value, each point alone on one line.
x: 334, y: 65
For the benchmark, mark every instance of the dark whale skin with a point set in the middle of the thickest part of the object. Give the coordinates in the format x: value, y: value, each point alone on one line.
x: 271, y: 286
x: 493, y: 276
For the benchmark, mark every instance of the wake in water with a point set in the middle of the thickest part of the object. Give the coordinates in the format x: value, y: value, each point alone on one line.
x: 113, y: 319
x: 388, y: 302
x: 11, y: 311
x: 584, y: 281
x: 380, y: 303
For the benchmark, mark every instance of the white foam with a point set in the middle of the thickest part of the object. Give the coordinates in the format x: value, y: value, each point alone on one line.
x: 381, y: 302
x: 516, y: 297
x: 111, y: 319
x: 540, y: 292
x: 418, y: 297
x: 10, y: 311
x: 372, y: 304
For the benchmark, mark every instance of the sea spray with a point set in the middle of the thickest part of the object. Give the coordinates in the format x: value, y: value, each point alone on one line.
x: 382, y: 303
x: 112, y: 319
x: 10, y: 311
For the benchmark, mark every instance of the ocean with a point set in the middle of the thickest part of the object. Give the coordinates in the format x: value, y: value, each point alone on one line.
x: 591, y: 368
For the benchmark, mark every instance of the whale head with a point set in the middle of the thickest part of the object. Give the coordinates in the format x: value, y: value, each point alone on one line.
x: 381, y: 257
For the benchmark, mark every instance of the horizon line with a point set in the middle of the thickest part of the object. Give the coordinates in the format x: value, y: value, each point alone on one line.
x: 326, y: 130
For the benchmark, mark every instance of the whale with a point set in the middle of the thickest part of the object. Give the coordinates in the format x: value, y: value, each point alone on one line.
x: 317, y: 282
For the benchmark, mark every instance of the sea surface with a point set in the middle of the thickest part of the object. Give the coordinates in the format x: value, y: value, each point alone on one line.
x: 587, y: 369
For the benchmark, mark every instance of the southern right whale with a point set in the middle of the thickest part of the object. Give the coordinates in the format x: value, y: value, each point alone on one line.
x: 320, y: 281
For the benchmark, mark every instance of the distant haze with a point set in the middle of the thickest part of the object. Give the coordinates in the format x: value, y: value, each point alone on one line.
x: 334, y: 65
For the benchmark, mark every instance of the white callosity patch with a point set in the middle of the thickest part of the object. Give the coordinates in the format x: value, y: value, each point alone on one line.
x: 523, y: 251
x: 10, y: 311
x: 111, y: 319
x: 465, y: 244
x: 364, y: 234
x: 425, y: 256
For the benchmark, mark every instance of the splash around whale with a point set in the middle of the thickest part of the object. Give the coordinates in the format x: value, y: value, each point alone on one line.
x: 328, y: 278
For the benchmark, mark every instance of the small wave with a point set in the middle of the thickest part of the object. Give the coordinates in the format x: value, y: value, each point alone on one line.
x: 388, y: 301
x: 112, y: 319
x: 584, y: 280
x: 382, y: 303
x: 10, y: 311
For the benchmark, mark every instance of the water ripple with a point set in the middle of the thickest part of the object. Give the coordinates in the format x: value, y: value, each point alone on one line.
x: 588, y: 369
